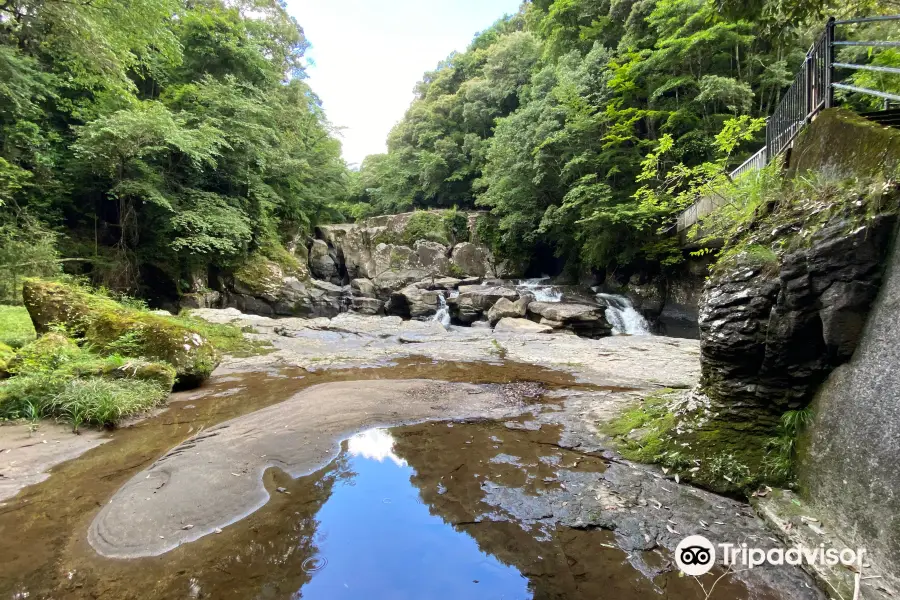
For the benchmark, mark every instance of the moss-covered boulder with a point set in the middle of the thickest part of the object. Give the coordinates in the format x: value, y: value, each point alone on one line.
x: 49, y: 352
x: 130, y: 368
x: 6, y: 354
x: 111, y: 328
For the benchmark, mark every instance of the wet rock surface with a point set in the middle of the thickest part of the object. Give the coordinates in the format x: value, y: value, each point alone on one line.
x: 354, y: 340
x: 213, y: 479
x: 221, y: 490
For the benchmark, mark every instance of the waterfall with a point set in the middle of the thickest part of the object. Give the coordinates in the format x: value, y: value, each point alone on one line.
x: 540, y: 290
x: 623, y: 317
x: 442, y: 316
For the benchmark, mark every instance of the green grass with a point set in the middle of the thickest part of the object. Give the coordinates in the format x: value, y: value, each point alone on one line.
x: 92, y: 401
x: 16, y: 329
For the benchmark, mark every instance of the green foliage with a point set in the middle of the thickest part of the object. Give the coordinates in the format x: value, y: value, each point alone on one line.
x: 91, y: 401
x: 587, y: 126
x: 167, y: 137
x: 16, y: 329
x: 424, y: 225
x: 27, y: 249
x: 456, y: 224
x: 781, y: 456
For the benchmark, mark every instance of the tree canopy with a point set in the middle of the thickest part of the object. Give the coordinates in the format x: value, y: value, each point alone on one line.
x: 549, y: 116
x: 162, y: 138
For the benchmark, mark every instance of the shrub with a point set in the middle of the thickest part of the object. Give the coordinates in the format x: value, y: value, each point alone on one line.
x: 424, y: 225
x: 456, y: 224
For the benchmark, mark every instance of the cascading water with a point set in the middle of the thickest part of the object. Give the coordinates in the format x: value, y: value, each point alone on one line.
x: 442, y: 316
x: 623, y: 317
x: 540, y: 290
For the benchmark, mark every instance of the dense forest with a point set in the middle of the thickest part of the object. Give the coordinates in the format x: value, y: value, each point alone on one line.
x: 156, y: 138
x: 148, y: 143
x: 549, y: 118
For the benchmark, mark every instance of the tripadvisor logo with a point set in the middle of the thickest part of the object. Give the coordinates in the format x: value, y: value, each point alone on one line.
x: 695, y: 555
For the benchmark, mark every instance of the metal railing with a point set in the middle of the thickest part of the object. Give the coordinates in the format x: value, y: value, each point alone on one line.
x: 811, y: 92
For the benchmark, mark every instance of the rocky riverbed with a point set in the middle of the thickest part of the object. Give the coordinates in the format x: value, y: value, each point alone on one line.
x: 245, y: 487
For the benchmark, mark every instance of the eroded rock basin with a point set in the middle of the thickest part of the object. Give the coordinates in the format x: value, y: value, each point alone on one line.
x: 515, y: 497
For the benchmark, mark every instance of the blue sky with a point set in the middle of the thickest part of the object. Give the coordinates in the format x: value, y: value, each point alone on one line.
x: 369, y: 54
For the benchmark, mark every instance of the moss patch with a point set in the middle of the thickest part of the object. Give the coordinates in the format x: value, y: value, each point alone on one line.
x: 6, y: 354
x: 258, y: 276
x: 110, y: 328
x: 679, y: 431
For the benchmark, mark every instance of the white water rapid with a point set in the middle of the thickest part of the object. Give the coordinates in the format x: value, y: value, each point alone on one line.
x: 623, y: 317
x: 541, y: 291
x: 442, y: 316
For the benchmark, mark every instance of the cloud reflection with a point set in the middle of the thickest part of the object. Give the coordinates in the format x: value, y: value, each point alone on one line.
x: 375, y: 444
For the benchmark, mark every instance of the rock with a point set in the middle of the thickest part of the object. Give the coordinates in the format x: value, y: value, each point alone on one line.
x: 769, y: 337
x: 312, y: 298
x: 367, y: 306
x: 443, y: 283
x: 103, y: 322
x: 415, y: 302
x: 514, y: 325
x: 481, y: 325
x: 505, y: 308
x: 583, y: 319
x: 432, y: 256
x: 363, y: 287
x: 321, y: 263
x: 473, y: 301
x: 207, y: 299
x: 473, y: 260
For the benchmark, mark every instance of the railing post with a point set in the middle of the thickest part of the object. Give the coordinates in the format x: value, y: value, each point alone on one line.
x: 808, y: 76
x: 829, y: 63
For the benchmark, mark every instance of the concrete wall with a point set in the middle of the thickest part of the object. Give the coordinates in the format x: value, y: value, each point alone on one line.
x: 850, y: 457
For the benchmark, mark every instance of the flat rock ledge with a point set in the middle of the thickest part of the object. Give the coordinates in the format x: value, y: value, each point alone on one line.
x: 214, y: 479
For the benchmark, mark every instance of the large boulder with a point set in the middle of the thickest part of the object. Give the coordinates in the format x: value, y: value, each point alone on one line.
x: 583, y: 319
x: 514, y: 325
x: 771, y: 333
x: 473, y: 301
x: 472, y: 260
x: 504, y: 308
x: 261, y: 287
x: 394, y: 251
x: 321, y: 263
x: 366, y: 306
x: 415, y: 302
x: 362, y: 287
x: 108, y: 326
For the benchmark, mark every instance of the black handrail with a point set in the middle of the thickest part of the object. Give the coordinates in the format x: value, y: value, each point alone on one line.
x: 813, y: 88
x: 811, y: 92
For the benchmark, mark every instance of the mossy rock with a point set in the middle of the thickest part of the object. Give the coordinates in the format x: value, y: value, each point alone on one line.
x: 110, y: 328
x: 160, y: 373
x: 6, y: 355
x: 724, y: 456
x: 49, y: 352
x: 259, y: 276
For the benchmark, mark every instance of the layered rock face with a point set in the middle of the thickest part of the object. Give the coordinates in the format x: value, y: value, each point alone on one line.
x: 771, y: 334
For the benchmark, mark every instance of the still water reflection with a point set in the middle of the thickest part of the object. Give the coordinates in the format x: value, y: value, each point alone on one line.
x: 378, y: 539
